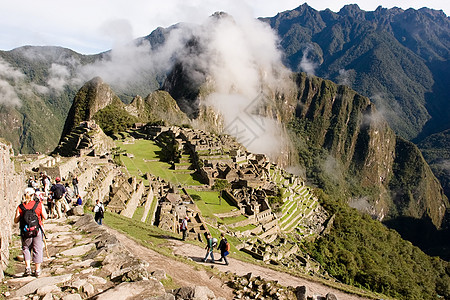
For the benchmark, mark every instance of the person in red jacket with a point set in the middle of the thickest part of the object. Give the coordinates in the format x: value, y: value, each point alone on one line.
x: 32, y: 237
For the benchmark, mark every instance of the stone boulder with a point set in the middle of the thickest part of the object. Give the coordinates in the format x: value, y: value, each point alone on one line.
x: 133, y: 290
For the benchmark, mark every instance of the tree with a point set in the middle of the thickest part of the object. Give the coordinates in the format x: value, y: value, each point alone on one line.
x: 220, y: 185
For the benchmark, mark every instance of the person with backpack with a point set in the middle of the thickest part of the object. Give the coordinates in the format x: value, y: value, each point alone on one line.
x: 184, y: 227
x: 210, y: 244
x: 30, y: 214
x: 58, y: 190
x: 224, y: 247
x: 99, y: 211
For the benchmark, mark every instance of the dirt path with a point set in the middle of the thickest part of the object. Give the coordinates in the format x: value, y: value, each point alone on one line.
x: 183, y: 274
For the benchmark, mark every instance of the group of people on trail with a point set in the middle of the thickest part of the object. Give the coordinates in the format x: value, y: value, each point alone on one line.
x: 57, y: 196
x: 211, y: 243
x: 32, y: 211
x: 224, y: 247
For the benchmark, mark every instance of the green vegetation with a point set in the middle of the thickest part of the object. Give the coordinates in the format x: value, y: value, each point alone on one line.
x: 209, y: 203
x: 358, y: 250
x: 113, y: 119
x: 362, y: 252
x: 147, y: 159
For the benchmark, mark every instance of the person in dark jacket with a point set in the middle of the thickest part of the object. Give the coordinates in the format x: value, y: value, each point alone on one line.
x: 223, y: 248
x: 75, y: 185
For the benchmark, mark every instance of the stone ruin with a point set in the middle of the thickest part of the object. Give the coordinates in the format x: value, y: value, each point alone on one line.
x: 253, y: 180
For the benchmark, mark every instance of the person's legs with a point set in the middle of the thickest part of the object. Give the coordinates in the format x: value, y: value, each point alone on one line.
x: 206, y: 256
x: 66, y: 205
x: 38, y: 253
x: 58, y: 208
x: 26, y: 243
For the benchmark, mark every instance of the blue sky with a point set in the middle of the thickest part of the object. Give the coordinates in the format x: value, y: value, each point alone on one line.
x: 95, y: 26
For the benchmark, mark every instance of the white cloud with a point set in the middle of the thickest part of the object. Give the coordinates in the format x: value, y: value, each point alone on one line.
x: 306, y: 65
x: 8, y: 95
x: 59, y: 75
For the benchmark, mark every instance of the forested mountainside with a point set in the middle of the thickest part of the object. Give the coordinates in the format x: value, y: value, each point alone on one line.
x: 399, y: 58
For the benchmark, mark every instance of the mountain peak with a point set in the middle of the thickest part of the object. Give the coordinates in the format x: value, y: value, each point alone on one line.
x: 92, y: 97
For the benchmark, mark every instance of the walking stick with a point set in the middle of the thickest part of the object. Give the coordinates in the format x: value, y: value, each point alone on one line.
x: 44, y: 238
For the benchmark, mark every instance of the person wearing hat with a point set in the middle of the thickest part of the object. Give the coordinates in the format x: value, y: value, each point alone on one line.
x: 32, y: 238
x: 58, y: 190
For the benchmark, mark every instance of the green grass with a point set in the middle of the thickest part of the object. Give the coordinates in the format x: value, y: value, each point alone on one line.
x: 209, y: 203
x: 151, y: 211
x: 232, y: 220
x: 245, y: 228
x: 138, y: 213
x: 150, y: 236
x: 144, y: 151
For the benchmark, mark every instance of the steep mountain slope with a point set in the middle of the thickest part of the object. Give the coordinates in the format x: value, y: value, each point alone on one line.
x: 397, y: 58
x: 35, y: 101
x: 368, y: 154
x: 38, y: 85
x: 97, y: 101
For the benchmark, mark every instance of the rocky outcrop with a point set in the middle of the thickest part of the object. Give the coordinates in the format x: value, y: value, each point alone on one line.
x: 92, y: 97
x: 349, y: 127
x: 157, y: 106
x: 11, y: 187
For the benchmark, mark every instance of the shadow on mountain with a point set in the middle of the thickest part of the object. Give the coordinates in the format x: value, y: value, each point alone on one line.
x: 423, y: 234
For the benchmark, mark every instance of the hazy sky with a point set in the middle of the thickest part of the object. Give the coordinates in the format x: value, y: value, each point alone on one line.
x: 95, y: 26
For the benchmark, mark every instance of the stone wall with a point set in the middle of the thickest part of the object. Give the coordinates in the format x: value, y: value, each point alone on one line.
x: 133, y: 202
x: 11, y: 187
x: 148, y: 205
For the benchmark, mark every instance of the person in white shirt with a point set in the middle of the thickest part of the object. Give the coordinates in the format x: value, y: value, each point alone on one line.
x: 99, y: 210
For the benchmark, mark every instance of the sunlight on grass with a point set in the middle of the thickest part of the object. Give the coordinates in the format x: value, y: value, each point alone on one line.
x: 147, y: 160
x: 209, y: 203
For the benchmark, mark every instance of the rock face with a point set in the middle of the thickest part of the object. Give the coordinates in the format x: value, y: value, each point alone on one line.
x: 91, y: 98
x: 348, y: 126
x: 362, y: 149
x: 11, y: 187
x: 158, y: 105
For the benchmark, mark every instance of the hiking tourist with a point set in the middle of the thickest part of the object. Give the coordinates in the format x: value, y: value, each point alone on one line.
x: 45, y: 183
x: 30, y: 214
x: 210, y: 244
x: 75, y: 185
x: 58, y: 190
x: 183, y: 227
x: 224, y: 248
x: 99, y: 210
